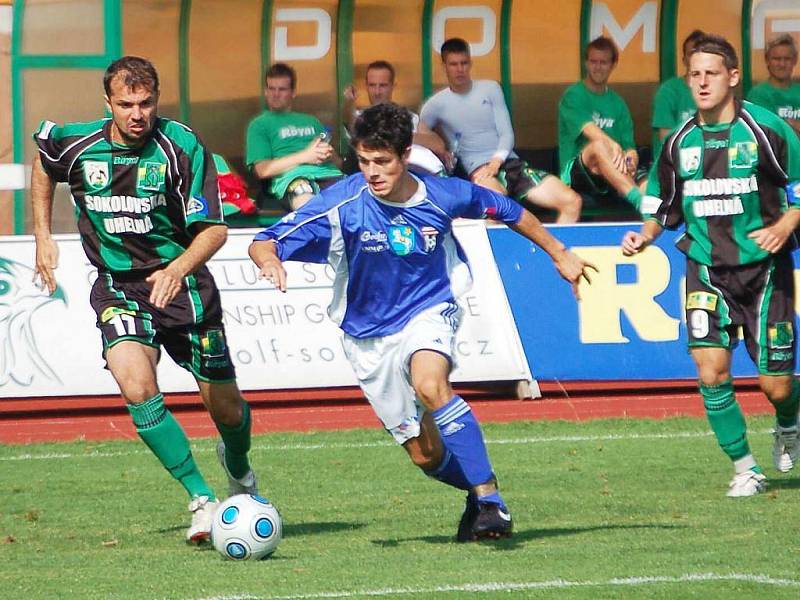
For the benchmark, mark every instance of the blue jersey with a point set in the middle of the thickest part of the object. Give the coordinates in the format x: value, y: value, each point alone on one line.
x: 391, y: 260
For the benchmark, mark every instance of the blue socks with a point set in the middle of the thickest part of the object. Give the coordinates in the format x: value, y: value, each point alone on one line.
x: 465, y: 451
x: 449, y: 472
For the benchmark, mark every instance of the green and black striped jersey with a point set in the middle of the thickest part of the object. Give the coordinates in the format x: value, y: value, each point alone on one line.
x: 723, y: 182
x: 135, y: 206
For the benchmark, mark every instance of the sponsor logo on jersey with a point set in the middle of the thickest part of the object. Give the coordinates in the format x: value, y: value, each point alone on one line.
x: 374, y: 241
x: 787, y: 112
x: 743, y: 154
x: 702, y: 301
x: 429, y: 235
x: 150, y: 176
x: 602, y: 122
x: 722, y: 186
x: 718, y: 207
x: 197, y: 204
x: 401, y: 239
x: 124, y: 204
x: 373, y: 236
x: 690, y: 159
x: 96, y: 174
x: 714, y: 144
x: 292, y: 131
x: 117, y: 225
x: 399, y: 220
x: 112, y: 311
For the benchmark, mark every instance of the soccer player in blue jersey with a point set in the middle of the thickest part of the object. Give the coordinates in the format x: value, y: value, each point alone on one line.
x: 398, y: 271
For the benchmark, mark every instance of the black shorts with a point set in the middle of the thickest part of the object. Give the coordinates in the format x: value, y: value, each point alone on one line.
x: 519, y: 178
x: 759, y: 297
x: 302, y: 185
x: 577, y: 176
x: 190, y: 329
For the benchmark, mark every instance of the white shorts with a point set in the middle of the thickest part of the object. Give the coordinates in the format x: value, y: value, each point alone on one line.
x: 422, y: 158
x: 383, y: 366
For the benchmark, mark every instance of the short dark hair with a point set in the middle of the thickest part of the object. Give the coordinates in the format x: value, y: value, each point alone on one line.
x: 716, y: 44
x: 136, y: 72
x: 454, y: 46
x: 280, y: 69
x: 604, y: 44
x: 385, y: 126
x: 382, y: 64
x: 691, y: 40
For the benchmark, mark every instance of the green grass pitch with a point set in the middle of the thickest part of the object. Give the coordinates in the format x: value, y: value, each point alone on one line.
x: 602, y: 509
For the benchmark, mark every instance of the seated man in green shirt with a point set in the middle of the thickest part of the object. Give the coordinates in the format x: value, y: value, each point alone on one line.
x: 673, y: 103
x: 290, y: 152
x: 595, y: 131
x: 779, y: 93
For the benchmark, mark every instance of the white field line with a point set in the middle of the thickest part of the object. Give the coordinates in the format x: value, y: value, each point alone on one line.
x: 387, y: 444
x: 532, y: 585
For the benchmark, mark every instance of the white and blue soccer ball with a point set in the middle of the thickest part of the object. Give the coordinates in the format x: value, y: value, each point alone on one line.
x: 246, y: 527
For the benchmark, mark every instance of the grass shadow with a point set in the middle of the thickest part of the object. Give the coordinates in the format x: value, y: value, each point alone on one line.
x: 522, y: 536
x: 783, y: 484
x: 312, y: 528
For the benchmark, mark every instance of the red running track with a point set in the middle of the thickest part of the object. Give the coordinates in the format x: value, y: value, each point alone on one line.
x: 24, y: 421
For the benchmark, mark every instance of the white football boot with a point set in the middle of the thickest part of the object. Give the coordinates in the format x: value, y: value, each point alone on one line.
x: 243, y: 485
x: 748, y: 483
x: 202, y: 510
x: 785, y: 448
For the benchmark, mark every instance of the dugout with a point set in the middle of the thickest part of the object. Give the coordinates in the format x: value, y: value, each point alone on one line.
x: 211, y: 55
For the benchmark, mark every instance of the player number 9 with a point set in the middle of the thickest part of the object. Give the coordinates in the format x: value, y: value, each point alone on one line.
x: 698, y: 321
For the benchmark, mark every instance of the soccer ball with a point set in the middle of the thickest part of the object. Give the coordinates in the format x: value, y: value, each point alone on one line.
x: 246, y: 527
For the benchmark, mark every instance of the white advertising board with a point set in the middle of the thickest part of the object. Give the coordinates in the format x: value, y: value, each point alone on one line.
x: 49, y: 346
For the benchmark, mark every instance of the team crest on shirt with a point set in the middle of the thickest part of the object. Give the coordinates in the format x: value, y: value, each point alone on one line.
x: 150, y: 176
x: 429, y: 235
x: 743, y: 154
x: 690, y: 160
x: 401, y: 239
x: 96, y: 174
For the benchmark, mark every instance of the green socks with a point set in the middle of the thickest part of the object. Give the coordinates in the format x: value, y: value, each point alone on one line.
x: 634, y: 197
x: 237, y: 443
x: 167, y: 440
x: 726, y: 419
x: 786, y: 411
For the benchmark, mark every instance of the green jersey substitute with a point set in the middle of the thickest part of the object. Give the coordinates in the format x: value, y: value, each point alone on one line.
x: 784, y: 102
x: 672, y: 105
x: 273, y: 135
x: 579, y: 106
x: 135, y: 206
x: 723, y: 182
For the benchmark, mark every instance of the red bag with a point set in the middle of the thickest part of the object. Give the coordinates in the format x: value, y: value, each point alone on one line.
x: 233, y: 190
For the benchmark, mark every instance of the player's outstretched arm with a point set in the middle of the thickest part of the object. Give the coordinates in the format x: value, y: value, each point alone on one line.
x: 167, y: 282
x: 635, y: 241
x: 265, y: 254
x: 570, y: 266
x: 42, y: 187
